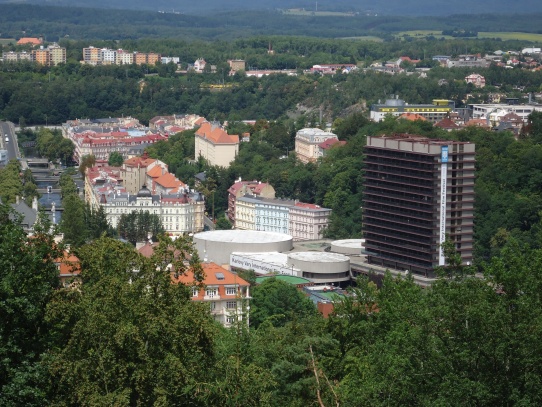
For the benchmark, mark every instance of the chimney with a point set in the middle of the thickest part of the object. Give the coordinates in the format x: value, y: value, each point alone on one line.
x: 35, y: 203
x: 17, y: 199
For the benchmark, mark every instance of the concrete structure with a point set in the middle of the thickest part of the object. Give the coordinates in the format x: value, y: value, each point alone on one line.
x: 321, y: 267
x: 218, y: 245
x: 50, y: 56
x: 241, y: 188
x: 308, y: 221
x: 215, y: 145
x: 434, y: 112
x: 417, y: 193
x: 317, y: 267
x: 307, y: 143
x: 179, y: 213
x: 350, y: 247
x: 468, y: 62
x: 226, y: 293
x: 492, y: 111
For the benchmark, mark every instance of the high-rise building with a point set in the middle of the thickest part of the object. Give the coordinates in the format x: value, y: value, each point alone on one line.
x: 418, y: 192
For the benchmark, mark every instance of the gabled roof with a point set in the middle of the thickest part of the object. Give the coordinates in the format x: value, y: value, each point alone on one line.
x: 477, y: 122
x: 213, y: 276
x: 68, y: 265
x: 143, y: 161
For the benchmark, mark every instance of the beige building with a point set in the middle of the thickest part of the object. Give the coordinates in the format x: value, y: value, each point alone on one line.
x: 307, y: 141
x: 241, y: 188
x: 215, y: 145
x: 308, y: 221
x: 237, y: 65
x: 58, y: 54
x: 134, y: 172
x: 245, y: 214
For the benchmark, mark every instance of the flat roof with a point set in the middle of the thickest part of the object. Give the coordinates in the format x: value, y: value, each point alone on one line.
x: 243, y: 236
x: 320, y: 257
x: 287, y: 279
x: 350, y: 243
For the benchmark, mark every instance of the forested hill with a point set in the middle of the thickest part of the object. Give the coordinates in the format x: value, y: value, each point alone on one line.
x: 86, y: 23
x: 390, y: 7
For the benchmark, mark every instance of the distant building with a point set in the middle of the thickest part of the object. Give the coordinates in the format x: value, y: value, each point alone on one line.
x: 476, y: 79
x: 215, y: 145
x: 30, y: 41
x: 307, y: 143
x: 438, y: 110
x: 468, y: 62
x: 50, y: 56
x: 105, y: 56
x: 180, y: 212
x: 237, y: 65
x: 226, y: 293
x: 327, y: 145
x: 134, y: 172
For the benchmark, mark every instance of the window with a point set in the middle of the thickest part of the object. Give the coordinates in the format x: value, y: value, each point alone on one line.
x: 230, y: 319
x: 195, y: 292
x: 212, y: 306
x: 231, y: 304
x: 211, y: 292
x: 231, y: 290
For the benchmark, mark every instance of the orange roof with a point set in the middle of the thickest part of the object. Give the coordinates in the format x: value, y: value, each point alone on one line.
x: 169, y: 180
x: 200, y: 121
x: 412, y: 117
x: 68, y: 265
x: 211, y: 278
x: 143, y: 161
x: 216, y: 135
x: 155, y: 172
x: 478, y: 123
x: 29, y: 40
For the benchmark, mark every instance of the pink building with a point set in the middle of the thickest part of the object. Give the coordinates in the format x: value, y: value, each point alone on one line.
x: 308, y: 221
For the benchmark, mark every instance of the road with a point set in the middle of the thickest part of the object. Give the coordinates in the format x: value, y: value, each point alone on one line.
x: 7, y: 129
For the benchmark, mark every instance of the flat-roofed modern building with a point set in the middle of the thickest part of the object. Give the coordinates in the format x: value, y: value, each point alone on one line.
x: 307, y: 143
x: 433, y: 112
x: 417, y: 193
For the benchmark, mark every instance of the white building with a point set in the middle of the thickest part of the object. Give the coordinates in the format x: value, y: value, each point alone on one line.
x: 308, y: 221
x: 307, y: 141
x: 227, y: 294
x: 179, y: 213
x: 485, y: 111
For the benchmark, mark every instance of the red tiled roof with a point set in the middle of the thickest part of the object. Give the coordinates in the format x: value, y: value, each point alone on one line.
x: 29, y: 40
x: 330, y: 142
x: 169, y: 180
x: 68, y: 265
x: 412, y: 117
x: 210, y: 270
x: 216, y: 135
x: 447, y: 123
x: 155, y: 172
x: 307, y: 205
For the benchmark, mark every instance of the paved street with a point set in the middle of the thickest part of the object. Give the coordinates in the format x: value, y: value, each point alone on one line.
x: 7, y: 129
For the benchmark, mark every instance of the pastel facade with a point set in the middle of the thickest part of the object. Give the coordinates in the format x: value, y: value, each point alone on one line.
x: 241, y: 188
x: 215, y: 145
x: 307, y: 142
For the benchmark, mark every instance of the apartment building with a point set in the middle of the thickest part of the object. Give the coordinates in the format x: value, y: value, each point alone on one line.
x: 227, y: 294
x: 50, y: 56
x: 180, y: 212
x: 308, y: 221
x: 215, y: 145
x: 106, y: 56
x: 241, y: 188
x: 134, y: 172
x: 417, y: 193
x: 269, y: 215
x: 307, y: 143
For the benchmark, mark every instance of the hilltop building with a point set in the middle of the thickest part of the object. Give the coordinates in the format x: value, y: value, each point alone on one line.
x: 434, y: 112
x: 308, y: 141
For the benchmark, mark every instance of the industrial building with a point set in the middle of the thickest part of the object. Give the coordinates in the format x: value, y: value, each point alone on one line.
x: 417, y: 193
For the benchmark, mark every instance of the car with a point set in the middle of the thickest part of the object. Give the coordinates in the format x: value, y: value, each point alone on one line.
x: 7, y: 139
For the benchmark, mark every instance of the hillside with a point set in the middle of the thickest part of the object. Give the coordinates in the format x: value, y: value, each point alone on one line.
x: 390, y: 7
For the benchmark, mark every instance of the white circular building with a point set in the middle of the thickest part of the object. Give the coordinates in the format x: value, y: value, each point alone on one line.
x: 321, y: 267
x: 217, y: 245
x: 349, y: 247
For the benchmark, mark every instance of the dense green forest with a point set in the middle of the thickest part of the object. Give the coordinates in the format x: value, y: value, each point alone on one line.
x: 54, y: 23
x: 128, y: 338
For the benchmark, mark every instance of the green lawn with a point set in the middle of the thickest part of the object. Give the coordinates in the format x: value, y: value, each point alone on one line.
x: 300, y: 12
x: 502, y: 35
x: 6, y: 41
x: 363, y: 38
